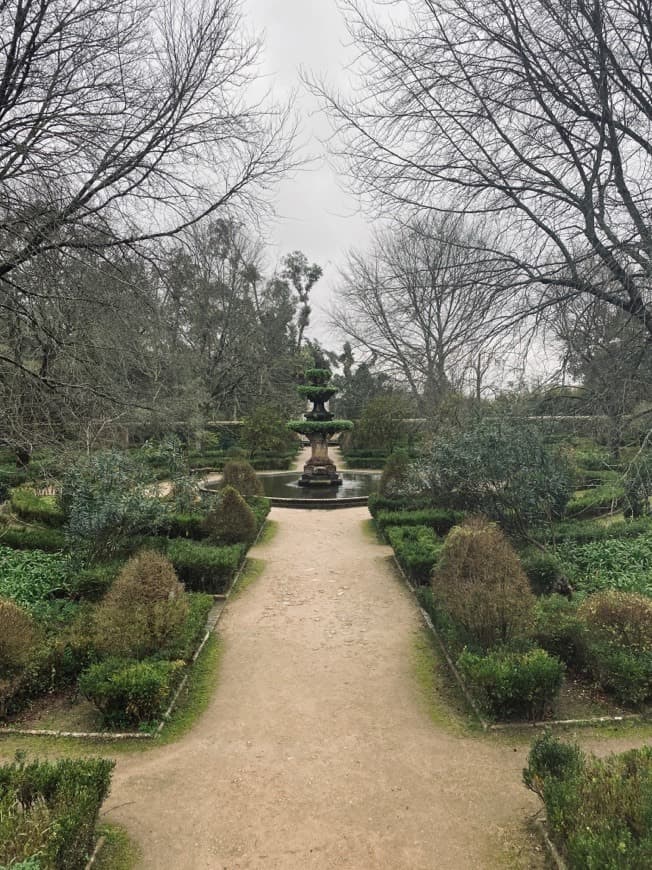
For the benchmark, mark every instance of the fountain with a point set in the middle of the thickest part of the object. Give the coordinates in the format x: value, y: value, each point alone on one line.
x: 319, y: 426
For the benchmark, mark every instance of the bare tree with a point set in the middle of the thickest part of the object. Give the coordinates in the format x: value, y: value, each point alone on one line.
x: 423, y: 304
x: 535, y: 112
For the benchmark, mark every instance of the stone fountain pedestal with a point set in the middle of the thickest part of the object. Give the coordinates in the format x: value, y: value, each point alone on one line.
x: 319, y: 470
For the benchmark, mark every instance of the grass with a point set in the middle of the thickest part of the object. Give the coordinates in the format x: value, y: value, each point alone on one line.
x: 268, y: 533
x: 252, y: 570
x: 437, y: 687
x: 118, y: 851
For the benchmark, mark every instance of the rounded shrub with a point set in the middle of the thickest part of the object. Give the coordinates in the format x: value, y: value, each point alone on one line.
x: 621, y: 618
x: 480, y: 583
x: 17, y: 636
x: 512, y: 684
x: 130, y: 692
x: 241, y: 476
x: 231, y: 521
x: 144, y: 610
x: 619, y: 645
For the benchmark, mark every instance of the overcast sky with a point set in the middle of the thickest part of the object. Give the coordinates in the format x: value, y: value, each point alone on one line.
x: 314, y: 214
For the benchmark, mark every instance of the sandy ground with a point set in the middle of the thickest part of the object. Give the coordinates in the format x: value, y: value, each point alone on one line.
x: 318, y: 750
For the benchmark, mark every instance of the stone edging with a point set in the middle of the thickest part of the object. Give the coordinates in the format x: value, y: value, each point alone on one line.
x: 541, y: 825
x: 145, y: 735
x: 507, y: 726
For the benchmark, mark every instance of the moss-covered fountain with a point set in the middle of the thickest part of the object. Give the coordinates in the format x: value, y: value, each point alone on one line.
x: 319, y: 427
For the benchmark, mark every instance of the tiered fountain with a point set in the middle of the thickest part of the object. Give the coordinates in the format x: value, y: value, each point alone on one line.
x: 318, y: 427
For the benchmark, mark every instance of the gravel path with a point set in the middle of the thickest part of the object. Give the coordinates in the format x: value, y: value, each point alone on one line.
x: 317, y: 750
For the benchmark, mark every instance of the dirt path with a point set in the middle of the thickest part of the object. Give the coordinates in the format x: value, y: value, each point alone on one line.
x: 317, y: 750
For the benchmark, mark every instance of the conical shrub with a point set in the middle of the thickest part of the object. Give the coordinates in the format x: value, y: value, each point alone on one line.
x: 144, y: 610
x: 231, y: 521
x: 480, y: 583
x: 241, y: 476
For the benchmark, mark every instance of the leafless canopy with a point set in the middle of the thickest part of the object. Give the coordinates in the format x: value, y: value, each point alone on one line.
x: 423, y: 304
x: 124, y: 120
x: 535, y: 112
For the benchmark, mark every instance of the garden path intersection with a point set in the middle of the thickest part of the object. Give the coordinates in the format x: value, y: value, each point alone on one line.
x: 317, y: 749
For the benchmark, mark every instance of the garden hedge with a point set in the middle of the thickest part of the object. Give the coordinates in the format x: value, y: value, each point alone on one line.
x: 36, y: 508
x: 441, y: 520
x: 203, y: 568
x: 49, y: 810
x: 417, y: 549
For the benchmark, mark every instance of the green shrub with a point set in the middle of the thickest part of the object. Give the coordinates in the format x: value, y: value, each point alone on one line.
x: 261, y: 507
x: 108, y: 498
x: 378, y: 503
x: 500, y: 468
x: 185, y: 643
x: 231, y: 520
x: 130, y: 692
x: 544, y: 571
x: 17, y: 637
x: 479, y: 581
x: 561, y: 631
x: 513, y: 684
x: 619, y: 644
x: 33, y: 538
x: 417, y: 549
x: 49, y: 810
x: 36, y: 508
x: 144, y: 610
x: 204, y: 568
x: 185, y: 525
x: 396, y: 474
x: 598, y: 810
x: 440, y: 520
x: 620, y: 618
x: 241, y: 476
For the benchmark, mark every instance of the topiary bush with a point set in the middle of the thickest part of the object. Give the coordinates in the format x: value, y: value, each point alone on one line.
x: 17, y: 637
x: 130, y: 692
x: 144, y: 610
x: 231, y: 520
x: 241, y: 476
x: 479, y: 581
x: 508, y: 684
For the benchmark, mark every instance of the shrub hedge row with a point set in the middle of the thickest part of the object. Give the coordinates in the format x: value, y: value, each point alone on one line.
x: 33, y: 538
x: 203, y: 568
x: 378, y: 503
x: 49, y: 810
x: 417, y: 549
x: 440, y: 520
x: 36, y: 508
x: 598, y: 810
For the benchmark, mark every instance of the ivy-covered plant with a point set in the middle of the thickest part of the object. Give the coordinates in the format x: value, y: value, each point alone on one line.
x: 106, y: 499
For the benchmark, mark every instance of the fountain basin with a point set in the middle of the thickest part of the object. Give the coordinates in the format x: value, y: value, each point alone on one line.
x: 283, y: 489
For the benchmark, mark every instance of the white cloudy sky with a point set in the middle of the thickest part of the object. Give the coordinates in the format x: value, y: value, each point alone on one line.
x: 314, y: 213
